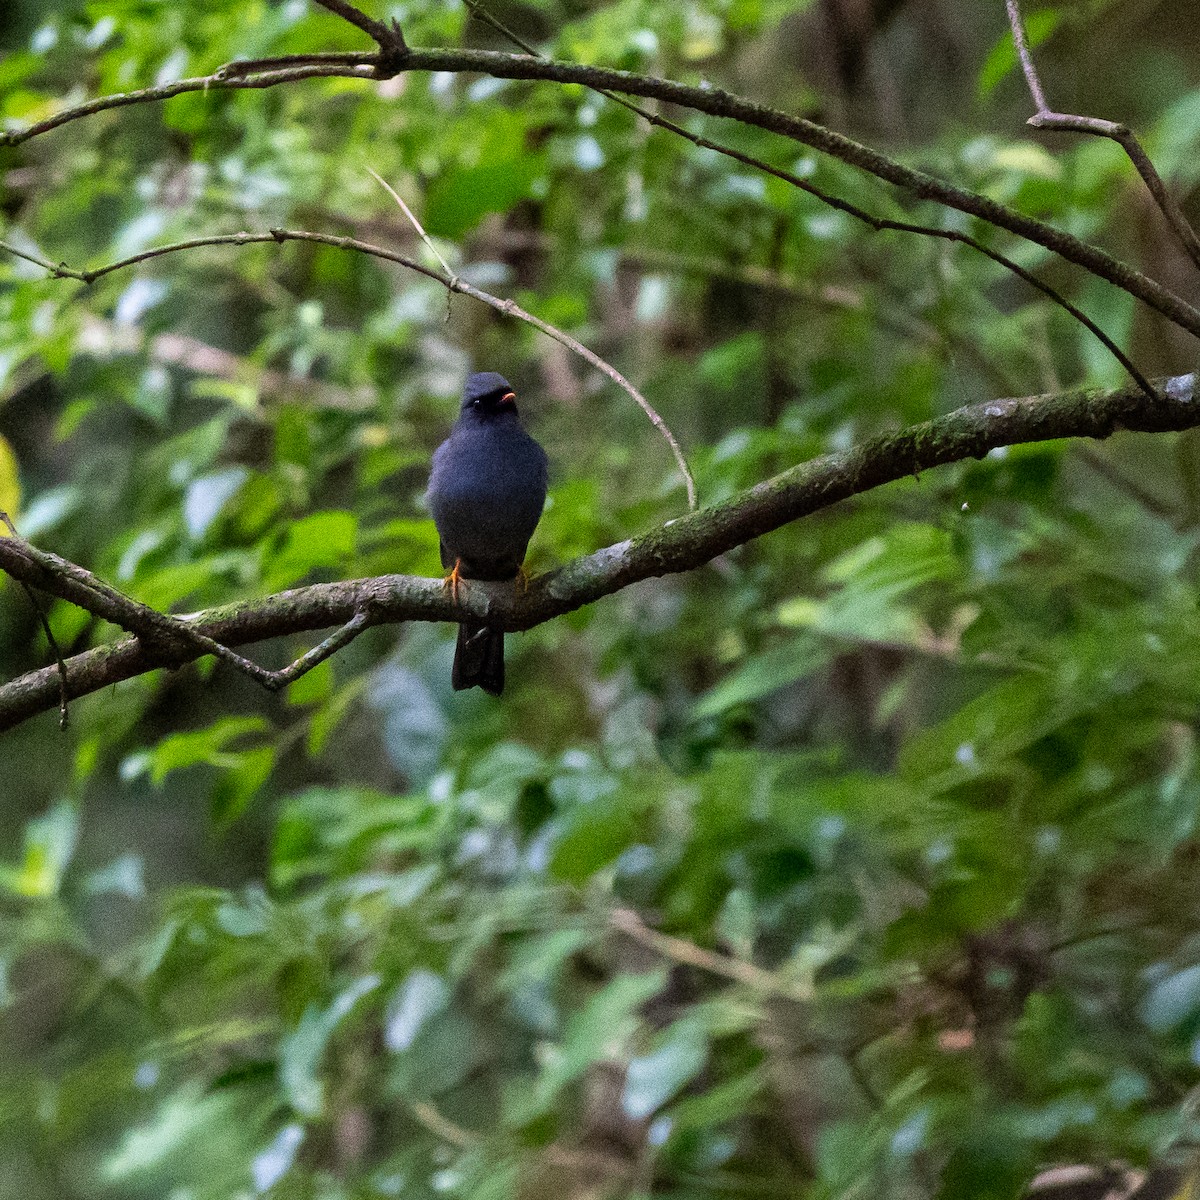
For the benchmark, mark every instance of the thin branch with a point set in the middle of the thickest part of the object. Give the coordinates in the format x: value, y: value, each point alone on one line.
x: 375, y: 30
x: 204, y: 83
x: 682, y: 951
x: 392, y: 47
x: 878, y: 224
x: 336, y: 58
x: 319, y: 653
x: 713, y: 101
x: 412, y: 217
x: 448, y: 280
x: 1109, y: 472
x: 441, y: 1126
x: 1031, y: 76
x: 514, y: 310
x: 681, y: 545
x: 454, y: 284
x: 246, y: 239
x: 64, y: 718
x: 36, y: 259
x: 1047, y: 118
x: 156, y: 629
x: 171, y: 639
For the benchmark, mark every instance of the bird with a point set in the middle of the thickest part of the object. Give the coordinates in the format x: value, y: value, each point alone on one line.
x: 487, y: 488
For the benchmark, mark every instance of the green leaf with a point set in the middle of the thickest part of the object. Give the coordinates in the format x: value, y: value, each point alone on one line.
x: 498, y: 779
x: 652, y: 1079
x: 322, y: 539
x: 240, y: 783
x: 593, y: 835
x: 313, y: 686
x: 762, y: 674
x: 503, y: 172
x: 421, y: 996
x: 597, y: 1031
x: 272, y: 1163
x: 186, y: 1125
x: 49, y: 847
x: 301, y: 1051
x: 208, y: 495
x: 203, y: 746
x: 990, y: 1164
x: 1173, y: 142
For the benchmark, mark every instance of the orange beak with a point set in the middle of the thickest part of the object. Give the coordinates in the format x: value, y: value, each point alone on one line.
x: 509, y: 398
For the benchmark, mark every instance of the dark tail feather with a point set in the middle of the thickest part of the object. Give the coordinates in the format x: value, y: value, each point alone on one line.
x: 479, y: 659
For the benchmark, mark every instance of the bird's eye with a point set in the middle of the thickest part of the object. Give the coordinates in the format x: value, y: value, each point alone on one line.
x: 475, y: 403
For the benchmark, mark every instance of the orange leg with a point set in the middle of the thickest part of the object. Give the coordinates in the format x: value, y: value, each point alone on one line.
x: 522, y: 580
x: 453, y: 580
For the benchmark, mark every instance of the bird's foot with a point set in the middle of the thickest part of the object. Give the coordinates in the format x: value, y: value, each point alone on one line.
x: 522, y: 580
x: 453, y: 580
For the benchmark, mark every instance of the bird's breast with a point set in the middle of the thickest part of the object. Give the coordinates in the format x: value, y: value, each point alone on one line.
x: 486, y: 493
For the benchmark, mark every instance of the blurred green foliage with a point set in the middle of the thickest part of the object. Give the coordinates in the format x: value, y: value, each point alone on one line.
x: 908, y: 790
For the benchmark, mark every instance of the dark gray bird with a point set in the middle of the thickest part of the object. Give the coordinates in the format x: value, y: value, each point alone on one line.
x: 486, y: 493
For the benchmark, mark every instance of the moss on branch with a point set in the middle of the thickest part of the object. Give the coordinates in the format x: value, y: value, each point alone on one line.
x: 681, y: 545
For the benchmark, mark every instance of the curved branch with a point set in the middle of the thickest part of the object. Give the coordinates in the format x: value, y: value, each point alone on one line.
x: 360, y: 65
x: 680, y: 545
x: 878, y: 224
x: 452, y: 283
x: 713, y: 101
x: 1047, y: 118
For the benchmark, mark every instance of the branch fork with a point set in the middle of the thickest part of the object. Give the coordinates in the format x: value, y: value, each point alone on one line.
x: 165, y: 640
x: 1047, y: 118
x: 389, y: 37
x: 685, y: 543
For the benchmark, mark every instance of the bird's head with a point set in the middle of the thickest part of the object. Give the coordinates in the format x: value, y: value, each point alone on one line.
x: 488, y: 394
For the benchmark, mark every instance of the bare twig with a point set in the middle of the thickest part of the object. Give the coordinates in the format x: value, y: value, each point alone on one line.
x: 447, y: 280
x: 327, y: 58
x: 454, y: 284
x: 412, y: 217
x: 515, y: 310
x: 1047, y: 118
x: 682, y: 951
x: 853, y: 210
x: 361, y: 67
x: 879, y: 224
x: 1031, y: 76
x: 63, y: 715
x: 711, y: 100
x: 36, y: 259
x: 390, y: 38
x: 320, y: 652
x: 156, y: 629
x: 376, y: 30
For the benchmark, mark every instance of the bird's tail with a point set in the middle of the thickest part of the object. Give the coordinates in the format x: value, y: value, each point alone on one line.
x: 479, y: 659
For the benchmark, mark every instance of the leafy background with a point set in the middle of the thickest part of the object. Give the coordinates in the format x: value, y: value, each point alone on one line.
x: 910, y: 787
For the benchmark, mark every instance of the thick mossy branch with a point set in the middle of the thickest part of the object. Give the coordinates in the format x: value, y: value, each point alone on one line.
x: 680, y: 545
